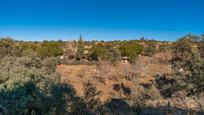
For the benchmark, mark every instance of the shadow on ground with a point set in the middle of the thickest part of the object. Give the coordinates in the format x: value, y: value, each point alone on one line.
x: 61, y: 99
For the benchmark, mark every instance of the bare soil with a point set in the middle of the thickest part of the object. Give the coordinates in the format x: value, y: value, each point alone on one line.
x: 104, y: 76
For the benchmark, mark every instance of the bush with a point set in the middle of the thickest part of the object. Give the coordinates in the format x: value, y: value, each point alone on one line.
x: 153, y: 93
x: 23, y: 70
x: 50, y: 64
x: 104, y: 52
x: 29, y: 85
x: 115, y: 54
x: 6, y: 46
x: 131, y: 49
x: 28, y: 45
x: 80, y: 49
x: 188, y: 64
x: 166, y: 85
x: 50, y: 49
x: 99, y: 52
x: 150, y: 49
x: 29, y: 99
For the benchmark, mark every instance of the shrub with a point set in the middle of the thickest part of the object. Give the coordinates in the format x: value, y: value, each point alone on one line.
x: 50, y: 49
x: 153, y: 93
x: 80, y: 49
x: 50, y: 64
x: 165, y: 84
x: 28, y: 45
x: 29, y: 85
x: 115, y: 54
x: 99, y: 52
x: 6, y: 46
x: 150, y: 49
x: 29, y: 99
x: 131, y: 49
x: 188, y: 64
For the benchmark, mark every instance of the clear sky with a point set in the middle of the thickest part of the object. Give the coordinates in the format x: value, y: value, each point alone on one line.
x: 100, y: 19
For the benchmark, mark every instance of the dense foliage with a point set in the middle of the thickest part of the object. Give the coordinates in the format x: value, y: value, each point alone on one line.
x: 50, y: 49
x: 6, y: 46
x: 104, y: 52
x: 131, y: 49
x: 30, y: 85
x: 188, y: 64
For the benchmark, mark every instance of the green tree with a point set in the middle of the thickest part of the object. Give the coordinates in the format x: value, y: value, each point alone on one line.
x: 99, y: 52
x: 188, y: 64
x: 29, y: 85
x: 50, y: 49
x: 131, y: 49
x: 106, y: 52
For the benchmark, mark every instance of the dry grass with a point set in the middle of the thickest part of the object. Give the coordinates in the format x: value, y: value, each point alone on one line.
x: 163, y: 57
x: 105, y: 75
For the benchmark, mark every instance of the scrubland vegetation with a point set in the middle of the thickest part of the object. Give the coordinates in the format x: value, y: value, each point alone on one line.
x: 96, y: 77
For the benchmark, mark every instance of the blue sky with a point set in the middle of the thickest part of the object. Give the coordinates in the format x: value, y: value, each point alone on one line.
x: 100, y: 19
